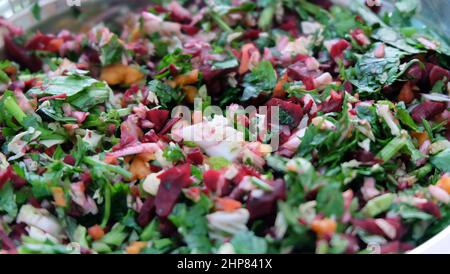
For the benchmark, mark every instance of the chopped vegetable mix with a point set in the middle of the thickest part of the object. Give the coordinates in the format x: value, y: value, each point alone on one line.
x: 96, y: 151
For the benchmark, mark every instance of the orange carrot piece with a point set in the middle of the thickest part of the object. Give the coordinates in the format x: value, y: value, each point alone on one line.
x: 58, y: 196
x: 96, y: 232
x: 227, y: 204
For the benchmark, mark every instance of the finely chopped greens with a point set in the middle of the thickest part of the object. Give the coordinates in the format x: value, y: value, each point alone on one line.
x: 92, y: 154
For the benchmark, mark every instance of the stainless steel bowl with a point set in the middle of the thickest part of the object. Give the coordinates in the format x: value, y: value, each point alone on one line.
x: 57, y: 15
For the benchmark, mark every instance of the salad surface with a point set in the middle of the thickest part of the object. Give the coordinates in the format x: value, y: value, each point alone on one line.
x: 352, y: 153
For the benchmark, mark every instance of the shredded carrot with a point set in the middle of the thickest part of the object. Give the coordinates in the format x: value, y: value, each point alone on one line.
x: 117, y: 74
x: 58, y: 196
x: 245, y: 58
x: 139, y: 168
x: 406, y: 93
x: 227, y: 204
x: 135, y: 34
x: 324, y: 227
x: 279, y: 91
x: 420, y: 136
x: 187, y: 78
x: 55, y: 45
x: 96, y: 232
x: 136, y: 247
x: 444, y: 183
x: 146, y: 156
x: 191, y: 93
x: 132, y: 75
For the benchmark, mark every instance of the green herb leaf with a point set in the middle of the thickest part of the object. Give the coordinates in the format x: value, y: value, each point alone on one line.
x: 442, y: 160
x: 247, y: 243
x: 330, y: 201
x: 262, y: 79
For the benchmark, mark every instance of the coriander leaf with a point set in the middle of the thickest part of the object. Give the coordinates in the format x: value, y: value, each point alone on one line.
x: 394, y: 39
x: 442, y: 160
x: 371, y: 73
x: 36, y: 11
x: 329, y: 200
x: 246, y: 242
x: 8, y: 200
x: 218, y: 162
x: 405, y: 118
x: 192, y: 224
x: 173, y: 153
x: 112, y: 52
x: 262, y: 79
x: 97, y: 93
x: 181, y: 61
x: 166, y: 95
x: 227, y: 64
x: 69, y: 85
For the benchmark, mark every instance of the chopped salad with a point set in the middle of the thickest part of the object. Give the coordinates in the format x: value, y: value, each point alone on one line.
x: 93, y: 159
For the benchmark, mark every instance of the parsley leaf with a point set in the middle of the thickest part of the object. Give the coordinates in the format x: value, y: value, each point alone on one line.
x: 166, y: 94
x: 262, y: 79
x: 112, y: 52
x: 246, y: 242
x: 8, y: 200
x: 329, y: 201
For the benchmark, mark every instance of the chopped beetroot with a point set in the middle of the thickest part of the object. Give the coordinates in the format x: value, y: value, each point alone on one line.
x: 360, y: 37
x: 158, y: 117
x: 5, y: 175
x: 294, y: 111
x: 150, y: 137
x: 178, y: 13
x: 166, y: 227
x: 364, y: 156
x: 251, y: 34
x: 368, y: 225
x: 299, y: 72
x: 392, y: 247
x: 427, y: 110
x: 190, y: 30
x: 7, y: 242
x: 290, y: 25
x: 333, y: 104
x: 264, y: 205
x: 438, y: 73
x: 147, y: 212
x: 169, y: 125
x: 337, y: 49
x: 70, y: 160
x: 196, y: 156
x: 431, y: 208
x: 245, y: 171
x: 172, y: 181
x: 415, y: 73
x: 39, y: 42
x: 129, y: 132
x: 21, y: 56
x: 214, y: 180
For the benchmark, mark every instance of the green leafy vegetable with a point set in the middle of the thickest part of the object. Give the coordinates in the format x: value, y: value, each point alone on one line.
x: 262, y: 79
